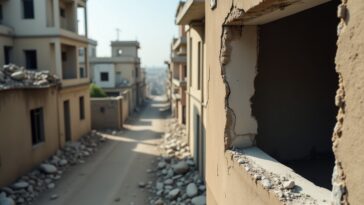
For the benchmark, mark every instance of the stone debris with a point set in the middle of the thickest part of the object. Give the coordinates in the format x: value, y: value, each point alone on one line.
x: 13, y: 76
x: 177, y: 179
x: 43, y: 178
x: 281, y: 186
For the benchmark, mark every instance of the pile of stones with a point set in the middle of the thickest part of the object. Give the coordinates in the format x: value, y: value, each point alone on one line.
x: 43, y: 178
x: 177, y: 179
x: 13, y: 76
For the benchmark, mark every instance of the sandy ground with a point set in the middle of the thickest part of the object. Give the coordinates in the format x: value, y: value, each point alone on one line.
x: 111, y: 176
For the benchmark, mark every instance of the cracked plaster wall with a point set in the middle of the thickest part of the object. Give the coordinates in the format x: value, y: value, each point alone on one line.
x: 348, y: 140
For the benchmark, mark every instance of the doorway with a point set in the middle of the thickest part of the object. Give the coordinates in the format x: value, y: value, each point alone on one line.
x: 67, y: 120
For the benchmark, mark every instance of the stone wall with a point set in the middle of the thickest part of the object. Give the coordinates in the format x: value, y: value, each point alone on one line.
x: 107, y: 113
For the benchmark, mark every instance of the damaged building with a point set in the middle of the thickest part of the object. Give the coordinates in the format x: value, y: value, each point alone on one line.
x: 284, y: 101
x: 43, y: 36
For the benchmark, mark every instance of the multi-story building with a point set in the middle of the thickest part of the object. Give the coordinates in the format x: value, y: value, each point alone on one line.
x: 47, y: 36
x: 121, y: 72
x: 192, y: 16
x: 285, y: 102
x: 178, y: 72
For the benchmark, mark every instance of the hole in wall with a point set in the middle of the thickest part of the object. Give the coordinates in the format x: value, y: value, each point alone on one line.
x: 295, y: 88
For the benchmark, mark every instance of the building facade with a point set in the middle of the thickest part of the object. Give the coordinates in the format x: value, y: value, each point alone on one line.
x: 177, y: 66
x: 121, y: 72
x: 192, y: 16
x: 47, y: 36
x: 284, y: 100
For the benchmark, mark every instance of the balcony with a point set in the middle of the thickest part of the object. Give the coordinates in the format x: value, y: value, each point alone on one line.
x: 192, y: 10
x: 179, y: 42
x: 179, y: 83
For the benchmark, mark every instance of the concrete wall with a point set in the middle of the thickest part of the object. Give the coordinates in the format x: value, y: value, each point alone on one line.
x: 348, y: 141
x: 127, y: 71
x: 107, y: 113
x: 101, y: 68
x: 231, y: 62
x: 17, y: 154
x: 79, y: 127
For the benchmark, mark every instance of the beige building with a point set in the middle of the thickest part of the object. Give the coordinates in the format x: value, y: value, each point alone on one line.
x: 192, y: 16
x: 121, y: 72
x: 284, y: 102
x: 47, y: 36
x: 177, y: 66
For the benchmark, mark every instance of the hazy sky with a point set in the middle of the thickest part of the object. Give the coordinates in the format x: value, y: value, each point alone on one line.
x: 151, y: 22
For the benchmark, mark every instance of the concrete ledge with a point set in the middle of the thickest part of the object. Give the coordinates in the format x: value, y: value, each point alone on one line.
x: 270, y: 174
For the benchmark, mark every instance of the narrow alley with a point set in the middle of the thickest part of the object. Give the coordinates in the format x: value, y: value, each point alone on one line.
x: 112, y: 175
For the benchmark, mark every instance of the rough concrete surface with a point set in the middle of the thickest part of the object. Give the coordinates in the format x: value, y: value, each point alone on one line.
x: 112, y: 175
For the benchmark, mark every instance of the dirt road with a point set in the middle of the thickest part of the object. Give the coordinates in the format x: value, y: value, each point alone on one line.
x: 112, y: 175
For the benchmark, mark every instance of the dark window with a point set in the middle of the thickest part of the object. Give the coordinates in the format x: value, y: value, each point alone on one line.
x: 199, y: 66
x: 28, y: 9
x: 82, y: 108
x: 31, y: 59
x: 64, y: 56
x: 104, y: 76
x: 1, y: 12
x: 190, y: 63
x: 81, y: 52
x: 82, y: 72
x: 7, y: 50
x: 62, y: 12
x: 37, y: 123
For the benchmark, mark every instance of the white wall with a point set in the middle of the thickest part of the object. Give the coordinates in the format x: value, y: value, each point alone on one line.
x: 98, y: 69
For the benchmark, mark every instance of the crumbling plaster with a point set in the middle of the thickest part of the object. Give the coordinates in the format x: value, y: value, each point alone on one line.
x: 349, y: 68
x: 348, y: 141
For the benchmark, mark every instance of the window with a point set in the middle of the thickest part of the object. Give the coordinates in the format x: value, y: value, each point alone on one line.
x: 81, y: 52
x: 37, y: 123
x: 199, y: 66
x: 62, y: 12
x: 1, y: 13
x: 7, y: 50
x: 104, y: 76
x: 119, y: 52
x: 82, y: 108
x: 31, y: 59
x: 28, y: 9
x: 82, y: 72
x: 190, y: 63
x: 64, y: 56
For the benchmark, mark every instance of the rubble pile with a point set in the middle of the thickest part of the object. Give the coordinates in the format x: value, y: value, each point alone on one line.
x: 178, y: 181
x: 28, y: 187
x: 13, y: 76
x: 283, y: 187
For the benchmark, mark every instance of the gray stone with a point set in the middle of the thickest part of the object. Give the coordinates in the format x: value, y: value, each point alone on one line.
x: 63, y: 162
x: 266, y: 183
x: 159, y: 185
x: 173, y: 194
x: 41, y: 82
x: 48, y: 168
x: 6, y: 200
x: 161, y: 165
x: 51, y: 186
x: 2, y: 77
x: 180, y: 167
x: 191, y: 190
x: 168, y: 181
x: 289, y: 184
x: 159, y: 202
x: 141, y: 184
x: 199, y: 200
x: 19, y: 75
x: 20, y: 185
x: 54, y: 197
